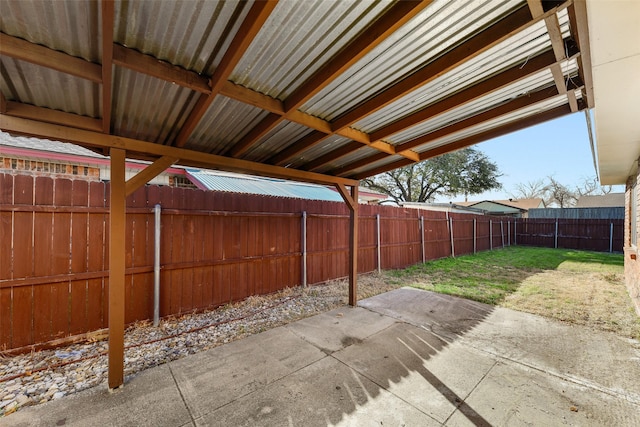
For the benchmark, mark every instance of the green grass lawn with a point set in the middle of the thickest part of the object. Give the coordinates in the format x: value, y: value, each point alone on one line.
x: 490, y: 276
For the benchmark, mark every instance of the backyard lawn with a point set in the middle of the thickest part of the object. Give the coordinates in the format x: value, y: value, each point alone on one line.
x: 579, y: 287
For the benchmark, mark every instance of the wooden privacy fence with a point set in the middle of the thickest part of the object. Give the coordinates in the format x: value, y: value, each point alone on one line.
x: 602, y: 235
x: 215, y: 248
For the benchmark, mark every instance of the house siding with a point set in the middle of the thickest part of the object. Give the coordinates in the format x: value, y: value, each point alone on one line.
x: 632, y: 251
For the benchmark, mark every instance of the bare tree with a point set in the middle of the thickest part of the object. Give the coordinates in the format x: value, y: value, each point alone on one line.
x: 560, y: 195
x: 532, y: 190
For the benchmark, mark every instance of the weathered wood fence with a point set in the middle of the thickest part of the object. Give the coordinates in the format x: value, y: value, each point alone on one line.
x: 215, y: 248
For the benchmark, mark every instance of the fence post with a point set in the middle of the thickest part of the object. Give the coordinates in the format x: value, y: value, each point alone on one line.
x: 556, y: 238
x: 611, y: 238
x: 378, y: 242
x: 156, y: 267
x: 453, y: 250
x: 474, y: 235
x: 502, y: 233
x: 304, y: 248
x: 490, y: 234
x: 424, y: 259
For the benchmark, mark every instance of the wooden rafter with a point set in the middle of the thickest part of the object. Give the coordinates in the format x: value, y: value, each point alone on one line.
x: 3, y: 103
x: 146, y: 64
x: 332, y: 156
x: 501, y: 80
x: 580, y: 30
x: 474, y: 139
x: 397, y: 15
x: 258, y: 14
x: 557, y: 44
x: 470, y: 49
x: 45, y: 57
x: 48, y: 115
x: 107, y: 64
x: 143, y: 149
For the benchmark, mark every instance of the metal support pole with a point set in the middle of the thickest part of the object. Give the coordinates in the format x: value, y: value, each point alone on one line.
x: 117, y: 227
x: 508, y: 233
x: 156, y: 267
x: 453, y: 249
x: 515, y: 232
x: 490, y: 234
x: 379, y: 264
x: 611, y: 238
x: 303, y: 235
x: 475, y: 227
x: 424, y: 258
x: 502, y: 233
x: 556, y: 236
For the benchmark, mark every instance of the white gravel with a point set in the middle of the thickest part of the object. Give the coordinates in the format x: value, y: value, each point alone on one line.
x: 40, y: 376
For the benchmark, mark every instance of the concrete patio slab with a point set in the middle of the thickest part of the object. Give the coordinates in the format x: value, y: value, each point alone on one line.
x: 215, y: 378
x: 420, y: 368
x: 151, y: 398
x: 324, y: 393
x: 410, y: 357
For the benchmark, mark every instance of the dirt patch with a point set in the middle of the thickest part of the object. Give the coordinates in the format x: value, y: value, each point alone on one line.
x: 594, y: 299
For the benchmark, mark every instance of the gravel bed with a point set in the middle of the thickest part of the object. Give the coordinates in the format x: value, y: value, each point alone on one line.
x: 41, y: 376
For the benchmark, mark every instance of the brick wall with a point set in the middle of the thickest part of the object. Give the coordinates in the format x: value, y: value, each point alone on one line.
x: 632, y: 252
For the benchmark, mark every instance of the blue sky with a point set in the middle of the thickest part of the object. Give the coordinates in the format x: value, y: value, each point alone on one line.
x: 559, y: 148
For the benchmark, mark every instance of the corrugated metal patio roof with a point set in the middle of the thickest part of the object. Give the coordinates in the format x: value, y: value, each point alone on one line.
x: 348, y: 88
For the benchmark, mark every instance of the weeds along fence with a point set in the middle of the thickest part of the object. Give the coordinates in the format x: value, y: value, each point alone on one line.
x: 215, y: 248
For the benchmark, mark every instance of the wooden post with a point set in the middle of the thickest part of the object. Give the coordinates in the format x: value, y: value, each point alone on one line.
x: 351, y: 198
x: 303, y: 235
x: 116, y: 268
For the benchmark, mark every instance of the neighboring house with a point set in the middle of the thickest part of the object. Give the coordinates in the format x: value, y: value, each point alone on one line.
x: 443, y: 207
x: 611, y: 200
x: 517, y: 208
x: 43, y: 157
x: 606, y: 206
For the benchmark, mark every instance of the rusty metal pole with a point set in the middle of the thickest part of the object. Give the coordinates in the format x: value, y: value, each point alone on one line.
x: 117, y: 249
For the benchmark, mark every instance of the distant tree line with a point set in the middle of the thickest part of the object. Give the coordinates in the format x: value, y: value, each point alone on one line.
x: 555, y: 194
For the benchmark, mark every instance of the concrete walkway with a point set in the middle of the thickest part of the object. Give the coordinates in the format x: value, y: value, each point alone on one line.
x: 407, y: 357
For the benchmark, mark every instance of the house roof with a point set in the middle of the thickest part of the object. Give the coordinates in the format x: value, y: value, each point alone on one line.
x: 610, y: 200
x: 522, y: 204
x: 320, y: 91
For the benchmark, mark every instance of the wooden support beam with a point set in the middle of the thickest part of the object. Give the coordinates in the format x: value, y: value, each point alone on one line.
x: 107, y: 64
x: 344, y: 170
x: 3, y: 103
x: 148, y: 173
x: 254, y: 134
x: 147, y: 64
x: 142, y: 150
x: 397, y: 15
x: 333, y: 155
x: 45, y: 57
x: 501, y: 80
x: 515, y: 22
x: 117, y: 250
x: 580, y: 30
x: 48, y: 115
x: 258, y: 14
x: 306, y: 142
x: 351, y: 199
x: 508, y: 107
x: 474, y: 139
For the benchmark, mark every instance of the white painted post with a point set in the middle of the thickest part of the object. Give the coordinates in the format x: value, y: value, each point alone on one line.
x: 378, y: 242
x: 453, y: 249
x: 556, y: 238
x: 424, y: 259
x: 509, y: 233
x: 304, y: 248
